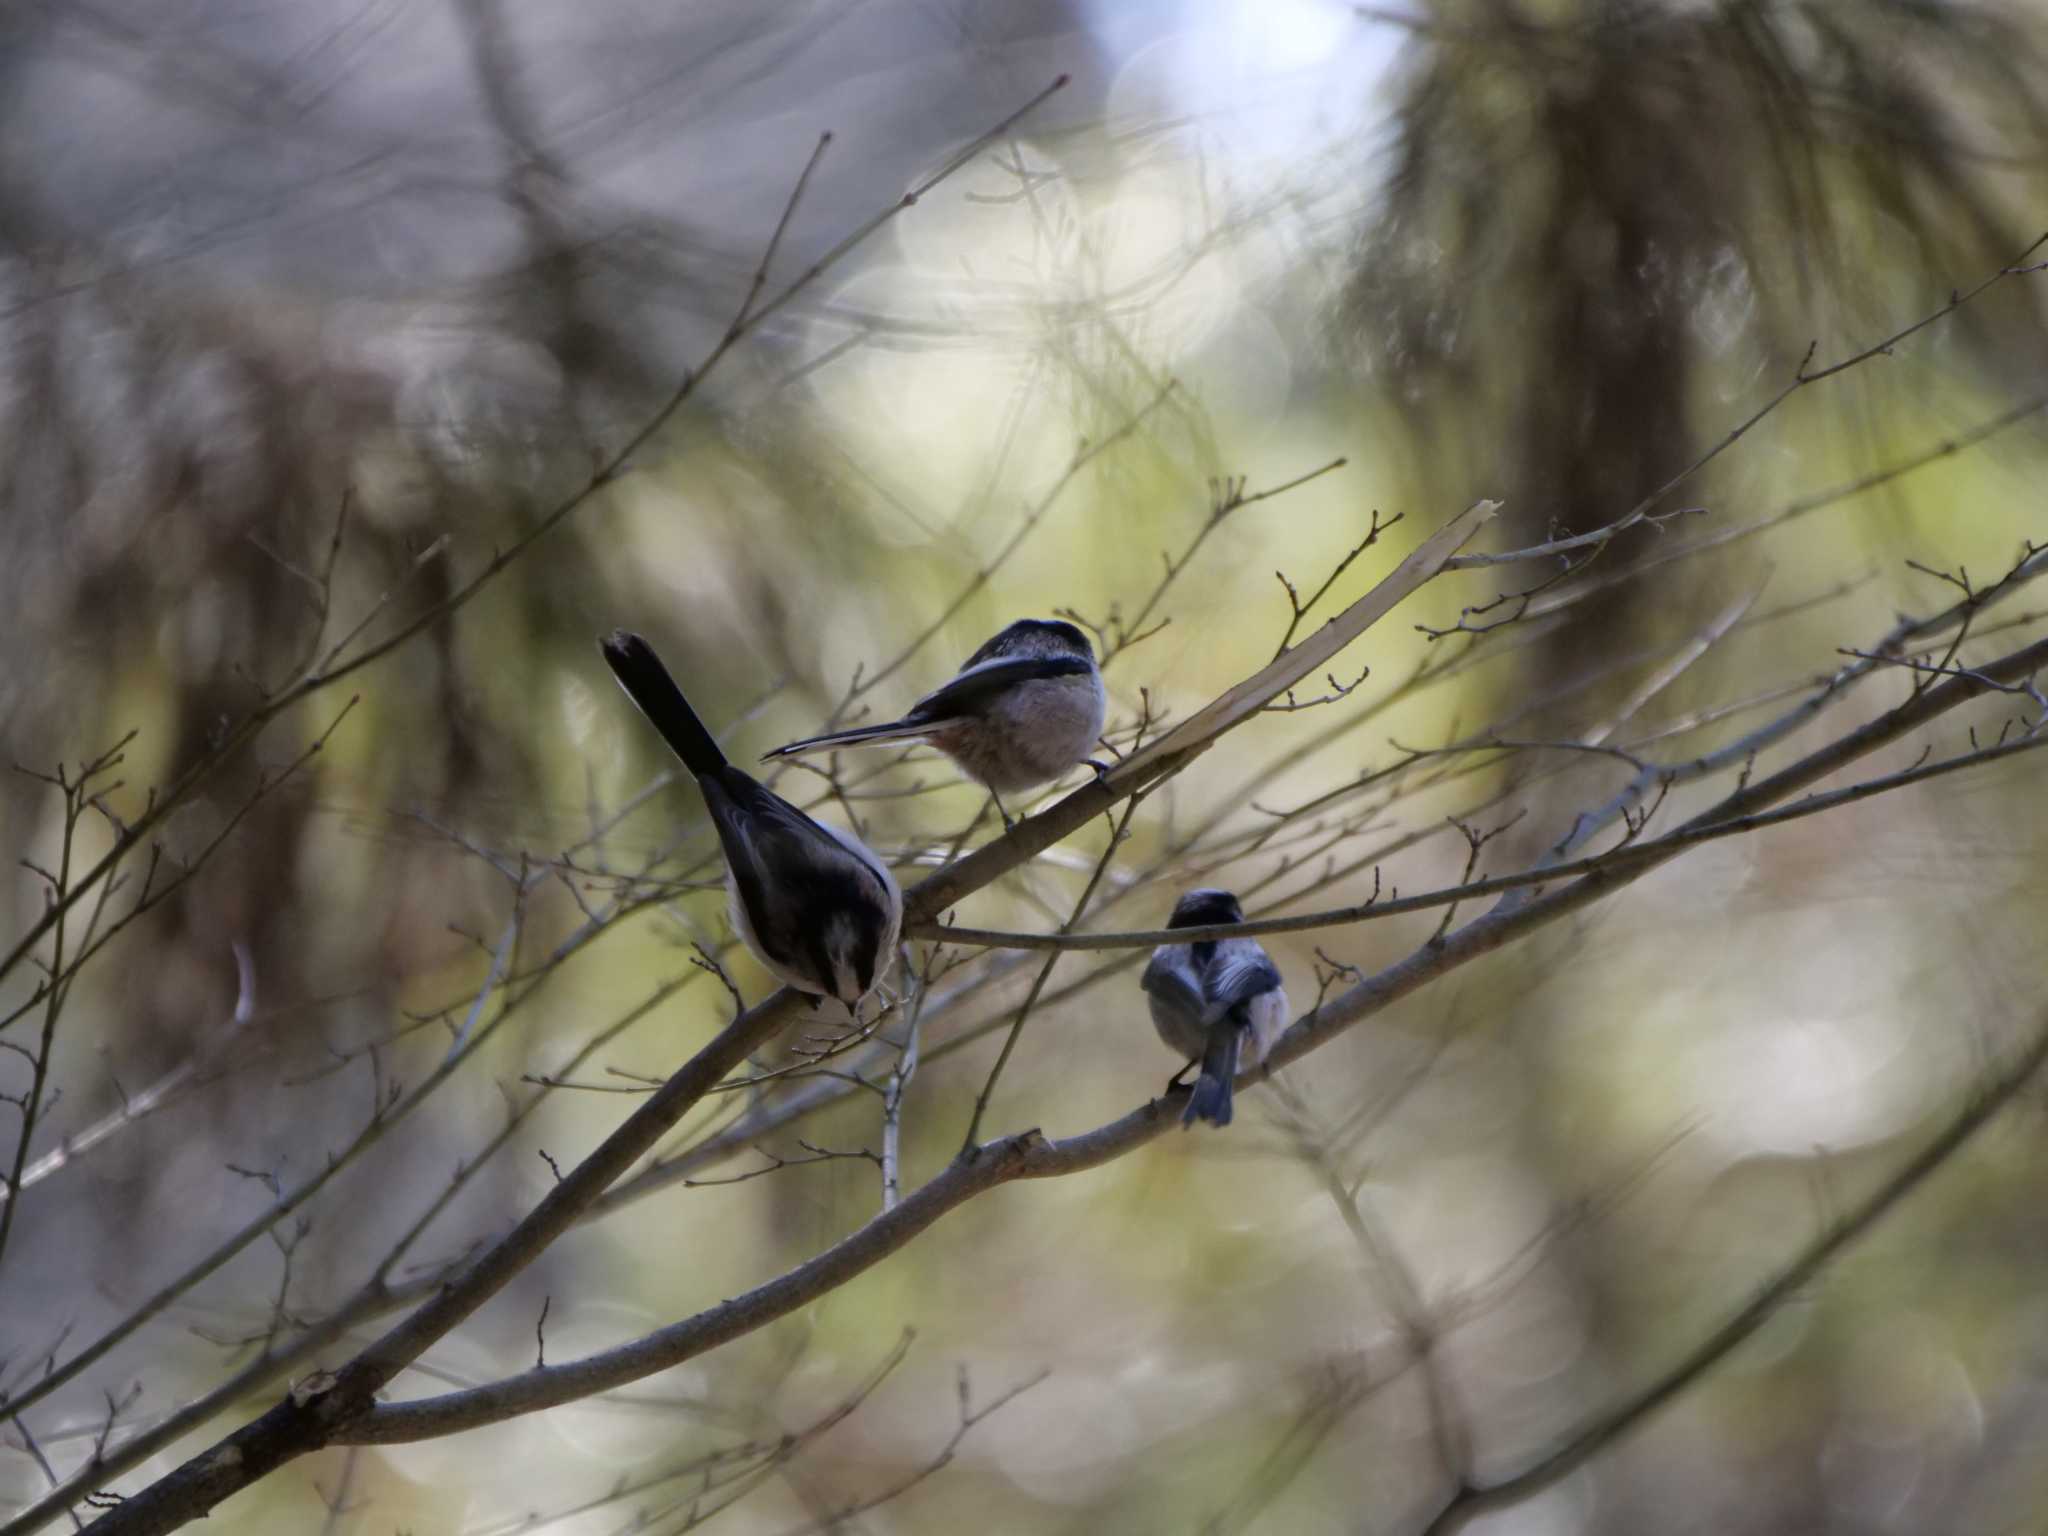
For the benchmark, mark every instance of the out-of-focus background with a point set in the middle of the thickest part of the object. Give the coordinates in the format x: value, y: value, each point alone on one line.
x: 306, y: 312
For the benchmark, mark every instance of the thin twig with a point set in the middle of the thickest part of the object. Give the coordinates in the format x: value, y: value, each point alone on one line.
x: 995, y: 1072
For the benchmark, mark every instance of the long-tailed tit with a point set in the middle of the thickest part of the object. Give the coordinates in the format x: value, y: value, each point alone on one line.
x: 813, y: 903
x: 1212, y: 1000
x: 1020, y: 712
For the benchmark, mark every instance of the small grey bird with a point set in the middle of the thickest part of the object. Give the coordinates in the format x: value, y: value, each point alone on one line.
x: 1020, y: 712
x: 813, y: 903
x: 1213, y: 999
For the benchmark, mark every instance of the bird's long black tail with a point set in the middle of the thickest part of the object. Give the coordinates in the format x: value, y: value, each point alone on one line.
x: 648, y: 685
x: 860, y: 735
x: 1211, y: 1099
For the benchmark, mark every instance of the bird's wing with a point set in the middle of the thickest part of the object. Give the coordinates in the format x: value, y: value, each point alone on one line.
x: 969, y: 692
x: 1170, y: 978
x: 1240, y: 971
x: 1269, y: 1020
x: 790, y: 873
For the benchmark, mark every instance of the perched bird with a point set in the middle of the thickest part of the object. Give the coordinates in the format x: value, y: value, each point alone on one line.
x: 1213, y: 999
x: 1020, y: 712
x: 813, y: 903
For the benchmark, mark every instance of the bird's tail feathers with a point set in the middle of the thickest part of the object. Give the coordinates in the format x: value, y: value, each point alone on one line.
x: 648, y: 684
x: 859, y: 736
x: 1210, y: 1100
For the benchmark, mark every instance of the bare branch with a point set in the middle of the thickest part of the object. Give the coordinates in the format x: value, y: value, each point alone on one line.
x: 1300, y: 609
x: 1118, y: 832
x: 1624, y: 862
